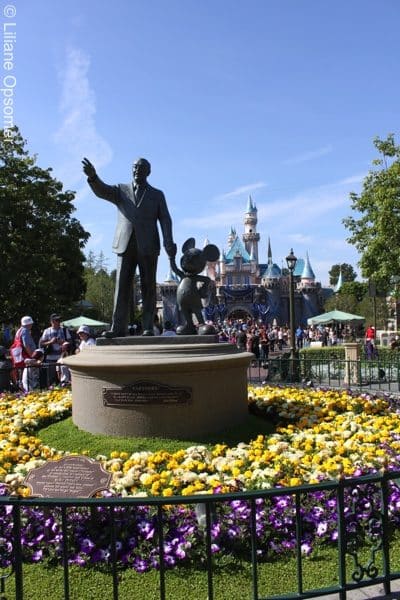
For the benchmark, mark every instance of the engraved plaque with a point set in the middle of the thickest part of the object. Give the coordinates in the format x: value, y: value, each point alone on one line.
x: 69, y: 477
x: 144, y: 393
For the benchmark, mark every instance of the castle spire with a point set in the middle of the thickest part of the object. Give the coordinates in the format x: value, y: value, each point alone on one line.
x: 339, y: 282
x: 231, y: 236
x: 269, y: 252
x: 307, y: 273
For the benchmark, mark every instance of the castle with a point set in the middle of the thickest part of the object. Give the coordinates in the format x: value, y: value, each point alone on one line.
x: 244, y: 287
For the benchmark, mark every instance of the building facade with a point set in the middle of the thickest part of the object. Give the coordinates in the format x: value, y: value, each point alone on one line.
x: 244, y: 287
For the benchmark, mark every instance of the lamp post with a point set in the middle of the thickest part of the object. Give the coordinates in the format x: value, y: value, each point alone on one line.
x: 291, y: 261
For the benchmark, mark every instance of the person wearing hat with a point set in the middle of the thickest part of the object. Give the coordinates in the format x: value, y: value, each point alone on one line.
x: 63, y: 372
x: 22, y: 347
x: 31, y: 372
x: 86, y: 338
x: 51, y: 342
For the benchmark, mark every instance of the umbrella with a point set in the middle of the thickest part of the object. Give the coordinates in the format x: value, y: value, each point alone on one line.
x: 82, y: 320
x: 334, y: 316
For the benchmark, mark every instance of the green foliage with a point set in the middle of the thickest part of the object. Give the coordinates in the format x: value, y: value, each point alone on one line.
x: 40, y: 243
x: 99, y: 287
x: 354, y: 288
x: 323, y: 353
x: 348, y: 273
x: 354, y: 298
x: 386, y: 354
x: 375, y: 231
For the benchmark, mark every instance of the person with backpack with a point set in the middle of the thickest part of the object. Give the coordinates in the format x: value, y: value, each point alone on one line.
x: 51, y: 342
x: 22, y: 347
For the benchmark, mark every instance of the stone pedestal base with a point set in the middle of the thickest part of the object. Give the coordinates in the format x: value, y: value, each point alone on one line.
x: 179, y: 387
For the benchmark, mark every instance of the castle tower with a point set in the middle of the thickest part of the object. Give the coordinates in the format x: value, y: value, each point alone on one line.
x: 307, y: 276
x: 339, y: 282
x: 222, y: 266
x: 250, y: 236
x: 310, y: 291
x: 231, y: 236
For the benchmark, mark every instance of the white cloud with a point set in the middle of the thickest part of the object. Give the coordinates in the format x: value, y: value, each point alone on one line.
x: 310, y: 155
x: 77, y: 134
x: 242, y: 190
x: 353, y: 179
x: 215, y: 220
x: 305, y: 207
x: 299, y: 238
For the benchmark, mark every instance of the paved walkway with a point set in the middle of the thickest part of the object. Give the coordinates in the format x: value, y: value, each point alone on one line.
x: 374, y: 592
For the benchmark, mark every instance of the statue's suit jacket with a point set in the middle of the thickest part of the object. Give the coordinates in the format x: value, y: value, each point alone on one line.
x: 139, y: 220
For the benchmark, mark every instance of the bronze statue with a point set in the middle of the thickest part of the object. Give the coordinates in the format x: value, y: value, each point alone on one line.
x: 136, y: 240
x: 189, y: 293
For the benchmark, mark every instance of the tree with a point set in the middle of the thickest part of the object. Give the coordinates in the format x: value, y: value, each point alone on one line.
x: 347, y: 270
x: 40, y: 243
x: 376, y: 232
x: 354, y: 298
x: 99, y: 286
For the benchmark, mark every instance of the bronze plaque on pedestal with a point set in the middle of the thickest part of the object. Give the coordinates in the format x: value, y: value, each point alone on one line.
x: 144, y: 393
x: 69, y: 477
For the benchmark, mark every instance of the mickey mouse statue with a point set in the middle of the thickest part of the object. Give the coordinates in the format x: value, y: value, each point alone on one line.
x: 190, y: 293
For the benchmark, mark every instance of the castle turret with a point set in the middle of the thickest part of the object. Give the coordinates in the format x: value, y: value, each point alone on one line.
x: 310, y: 290
x: 272, y: 274
x: 222, y: 264
x: 308, y: 274
x: 339, y: 282
x: 250, y: 236
x: 231, y: 236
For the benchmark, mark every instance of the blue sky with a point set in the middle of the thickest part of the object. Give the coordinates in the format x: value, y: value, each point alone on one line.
x: 280, y: 100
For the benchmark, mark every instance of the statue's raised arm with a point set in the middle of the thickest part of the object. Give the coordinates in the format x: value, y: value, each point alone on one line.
x: 88, y: 168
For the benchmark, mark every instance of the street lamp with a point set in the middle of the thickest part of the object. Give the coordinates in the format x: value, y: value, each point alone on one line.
x: 291, y: 261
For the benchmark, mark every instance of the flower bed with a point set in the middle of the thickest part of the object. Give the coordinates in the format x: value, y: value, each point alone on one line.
x: 320, y: 435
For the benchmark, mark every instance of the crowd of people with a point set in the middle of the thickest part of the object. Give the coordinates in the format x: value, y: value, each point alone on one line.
x: 35, y: 359
x: 261, y: 339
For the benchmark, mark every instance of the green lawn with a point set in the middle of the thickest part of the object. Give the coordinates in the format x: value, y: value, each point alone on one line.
x: 64, y: 435
x: 232, y: 579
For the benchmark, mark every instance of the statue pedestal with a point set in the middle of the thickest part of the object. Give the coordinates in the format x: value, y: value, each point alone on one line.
x: 178, y: 387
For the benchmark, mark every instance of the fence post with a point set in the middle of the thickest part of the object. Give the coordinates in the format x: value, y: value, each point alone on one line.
x: 352, y: 359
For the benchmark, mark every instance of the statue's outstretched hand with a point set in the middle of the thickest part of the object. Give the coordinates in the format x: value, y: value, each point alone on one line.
x: 88, y: 168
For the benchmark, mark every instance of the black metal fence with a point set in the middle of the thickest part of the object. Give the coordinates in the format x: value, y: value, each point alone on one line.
x: 382, y: 375
x: 359, y: 518
x: 30, y: 378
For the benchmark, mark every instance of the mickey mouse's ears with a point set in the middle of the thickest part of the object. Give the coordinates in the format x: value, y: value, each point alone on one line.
x: 211, y: 253
x: 188, y: 245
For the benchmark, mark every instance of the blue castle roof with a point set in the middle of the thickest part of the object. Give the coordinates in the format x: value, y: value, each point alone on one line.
x: 237, y: 248
x: 307, y: 273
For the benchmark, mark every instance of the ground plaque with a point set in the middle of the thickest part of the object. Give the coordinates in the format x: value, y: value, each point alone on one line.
x: 69, y: 477
x: 146, y: 392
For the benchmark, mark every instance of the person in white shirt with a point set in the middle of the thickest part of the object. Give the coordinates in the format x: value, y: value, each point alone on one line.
x: 51, y: 342
x: 31, y: 372
x: 86, y: 338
